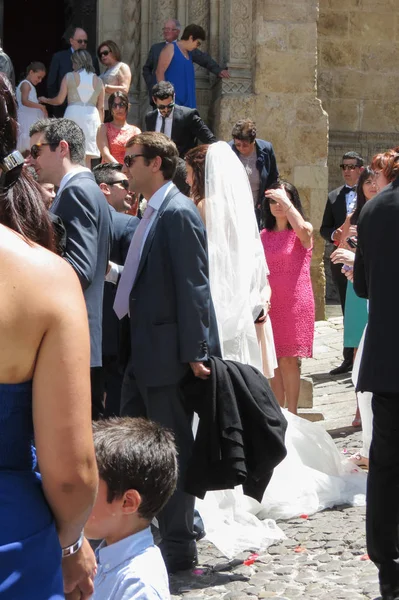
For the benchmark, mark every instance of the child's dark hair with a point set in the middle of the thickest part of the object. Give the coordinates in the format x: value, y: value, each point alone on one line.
x: 268, y: 220
x: 136, y: 454
x: 35, y: 66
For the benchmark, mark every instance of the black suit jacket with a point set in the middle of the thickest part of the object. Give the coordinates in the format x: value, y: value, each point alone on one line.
x: 334, y: 212
x: 200, y: 58
x: 123, y: 228
x: 86, y: 217
x: 187, y: 128
x: 61, y: 64
x: 376, y: 278
x: 240, y: 437
x: 172, y: 322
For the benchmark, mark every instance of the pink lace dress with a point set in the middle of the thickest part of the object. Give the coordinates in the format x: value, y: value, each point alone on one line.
x: 117, y: 139
x: 292, y: 302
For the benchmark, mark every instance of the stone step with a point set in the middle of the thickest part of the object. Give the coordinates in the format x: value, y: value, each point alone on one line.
x: 311, y: 415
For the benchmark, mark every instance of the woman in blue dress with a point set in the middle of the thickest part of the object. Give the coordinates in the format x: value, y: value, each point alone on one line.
x: 45, y: 408
x: 176, y: 65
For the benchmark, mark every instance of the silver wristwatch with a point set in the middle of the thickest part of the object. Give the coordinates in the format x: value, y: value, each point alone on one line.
x: 69, y: 550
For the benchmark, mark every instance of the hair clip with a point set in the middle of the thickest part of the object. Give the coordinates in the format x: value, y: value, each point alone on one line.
x: 12, y: 161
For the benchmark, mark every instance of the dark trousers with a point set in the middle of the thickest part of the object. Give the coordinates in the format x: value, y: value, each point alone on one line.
x: 341, y: 282
x: 112, y: 385
x: 382, y: 515
x: 97, y: 393
x: 164, y: 405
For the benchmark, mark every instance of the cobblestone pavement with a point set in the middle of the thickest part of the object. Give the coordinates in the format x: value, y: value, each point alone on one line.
x: 324, y: 555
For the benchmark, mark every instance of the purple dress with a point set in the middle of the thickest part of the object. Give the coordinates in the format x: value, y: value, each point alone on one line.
x: 292, y: 303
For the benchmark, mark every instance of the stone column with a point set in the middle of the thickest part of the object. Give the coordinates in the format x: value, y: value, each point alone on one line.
x: 198, y: 13
x: 131, y: 39
x: 271, y: 48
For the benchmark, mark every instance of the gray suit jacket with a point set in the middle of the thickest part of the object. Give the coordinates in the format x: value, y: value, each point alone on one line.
x: 172, y: 320
x: 85, y: 214
x: 200, y: 58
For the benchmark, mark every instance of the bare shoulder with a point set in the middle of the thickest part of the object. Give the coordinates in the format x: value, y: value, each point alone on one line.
x: 25, y: 86
x: 168, y: 50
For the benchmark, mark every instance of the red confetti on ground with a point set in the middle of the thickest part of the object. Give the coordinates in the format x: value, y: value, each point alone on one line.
x: 249, y: 562
x: 198, y: 572
x: 300, y: 549
x: 365, y: 557
x: 304, y: 516
x: 254, y: 556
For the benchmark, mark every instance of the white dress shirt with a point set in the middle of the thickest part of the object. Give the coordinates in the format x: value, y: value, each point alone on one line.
x: 168, y: 124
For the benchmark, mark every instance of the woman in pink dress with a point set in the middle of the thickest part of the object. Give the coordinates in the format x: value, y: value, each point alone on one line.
x: 287, y: 242
x: 112, y: 137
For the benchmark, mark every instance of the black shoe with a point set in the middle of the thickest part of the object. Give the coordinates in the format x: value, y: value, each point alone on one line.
x: 181, y: 564
x: 345, y: 367
x: 179, y: 557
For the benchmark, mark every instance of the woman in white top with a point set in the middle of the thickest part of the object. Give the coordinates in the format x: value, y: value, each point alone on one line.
x: 29, y: 109
x: 85, y: 93
x: 117, y: 75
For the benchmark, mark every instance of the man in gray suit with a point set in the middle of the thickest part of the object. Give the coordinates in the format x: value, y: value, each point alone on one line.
x: 165, y: 289
x: 171, y: 32
x: 57, y: 153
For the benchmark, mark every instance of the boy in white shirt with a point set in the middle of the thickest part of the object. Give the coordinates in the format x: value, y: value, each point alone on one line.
x: 137, y: 463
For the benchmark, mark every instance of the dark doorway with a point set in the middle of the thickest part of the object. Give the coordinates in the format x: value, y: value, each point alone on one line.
x: 34, y: 30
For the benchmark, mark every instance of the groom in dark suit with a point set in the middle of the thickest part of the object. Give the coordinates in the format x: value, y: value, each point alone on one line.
x: 57, y: 152
x: 61, y: 64
x: 183, y: 125
x: 165, y: 289
x: 375, y: 278
x: 341, y: 202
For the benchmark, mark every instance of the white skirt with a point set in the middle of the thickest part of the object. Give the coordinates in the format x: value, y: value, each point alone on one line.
x: 26, y: 118
x: 88, y: 119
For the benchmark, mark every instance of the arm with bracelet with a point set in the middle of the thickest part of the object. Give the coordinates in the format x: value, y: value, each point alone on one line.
x: 302, y: 228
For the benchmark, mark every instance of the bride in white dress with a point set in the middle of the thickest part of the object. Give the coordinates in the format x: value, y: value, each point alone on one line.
x: 313, y: 476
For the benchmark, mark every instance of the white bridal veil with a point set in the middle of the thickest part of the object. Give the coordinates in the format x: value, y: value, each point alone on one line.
x: 237, y: 265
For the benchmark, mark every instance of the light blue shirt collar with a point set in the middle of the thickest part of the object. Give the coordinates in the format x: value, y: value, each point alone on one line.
x: 111, y: 556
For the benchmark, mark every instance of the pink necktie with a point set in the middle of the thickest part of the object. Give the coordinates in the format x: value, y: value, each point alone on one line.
x: 121, y: 303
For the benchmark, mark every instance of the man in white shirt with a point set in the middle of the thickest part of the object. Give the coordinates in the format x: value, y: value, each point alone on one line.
x: 341, y: 202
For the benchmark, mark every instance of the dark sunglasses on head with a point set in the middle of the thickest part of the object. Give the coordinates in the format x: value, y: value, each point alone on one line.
x: 348, y: 167
x: 104, y: 53
x: 81, y: 41
x: 119, y: 105
x: 165, y: 106
x: 129, y: 159
x: 124, y: 183
x: 35, y: 149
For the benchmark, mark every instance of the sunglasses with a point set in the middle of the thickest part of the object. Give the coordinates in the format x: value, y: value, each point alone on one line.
x: 129, y: 159
x: 104, y: 53
x: 123, y: 182
x: 165, y: 106
x: 35, y: 149
x: 119, y: 105
x: 81, y: 41
x: 348, y: 167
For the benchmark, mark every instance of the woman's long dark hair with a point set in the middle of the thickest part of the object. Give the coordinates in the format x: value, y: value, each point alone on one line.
x: 196, y: 158
x: 269, y: 221
x: 360, y: 197
x: 21, y: 204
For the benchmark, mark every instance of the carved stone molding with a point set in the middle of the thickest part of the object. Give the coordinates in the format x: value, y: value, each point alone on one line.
x: 241, y: 31
x: 131, y: 39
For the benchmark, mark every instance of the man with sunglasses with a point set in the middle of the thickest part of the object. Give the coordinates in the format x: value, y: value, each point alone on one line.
x: 115, y: 186
x: 61, y: 64
x: 57, y: 153
x: 341, y: 202
x: 171, y: 31
x: 164, y: 288
x: 181, y: 124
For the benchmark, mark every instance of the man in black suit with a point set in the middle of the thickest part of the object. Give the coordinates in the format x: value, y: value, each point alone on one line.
x: 165, y: 289
x: 341, y: 202
x: 57, y: 152
x: 115, y: 186
x: 183, y: 125
x: 171, y: 32
x: 375, y: 278
x: 61, y: 64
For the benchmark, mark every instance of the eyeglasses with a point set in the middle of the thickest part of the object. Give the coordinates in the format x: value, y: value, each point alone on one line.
x: 35, y: 149
x: 81, y: 41
x: 118, y: 105
x: 167, y: 29
x: 165, y: 106
x: 348, y: 167
x: 123, y: 182
x: 130, y: 158
x: 104, y: 53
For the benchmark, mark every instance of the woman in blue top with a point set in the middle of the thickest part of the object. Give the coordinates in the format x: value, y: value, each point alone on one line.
x: 45, y: 408
x: 175, y: 65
